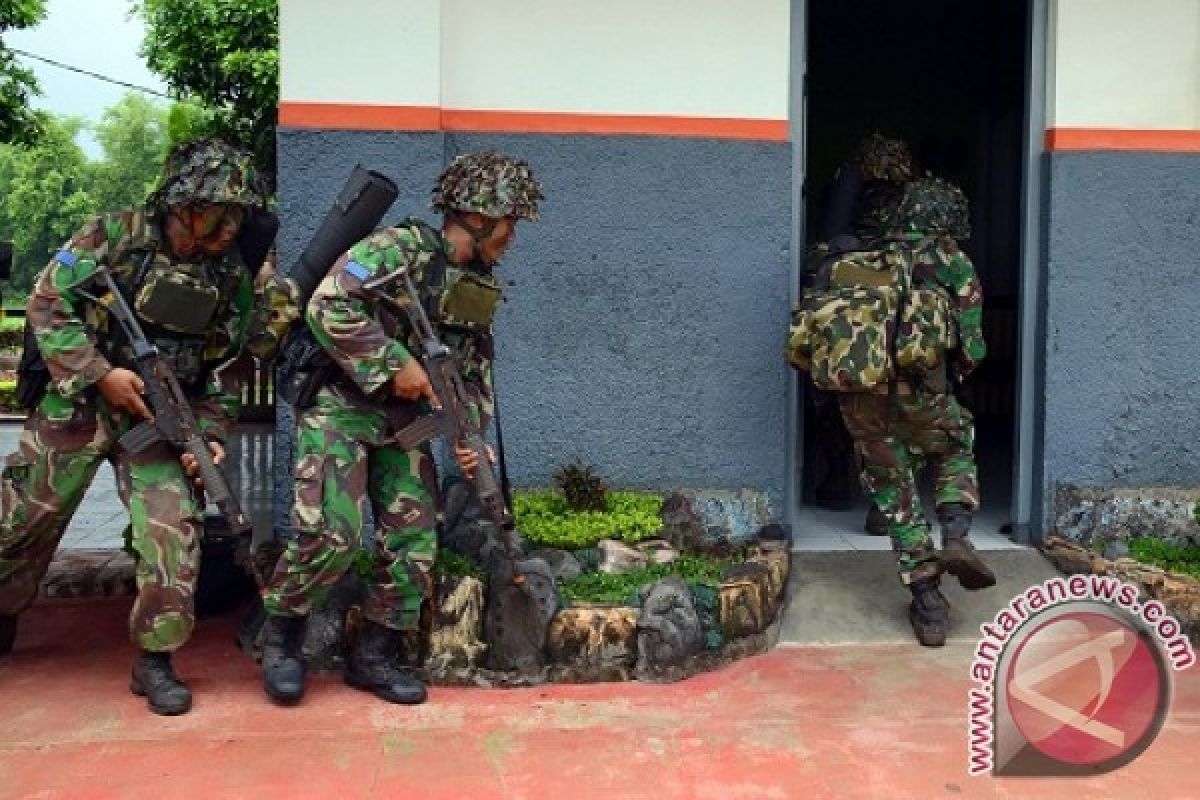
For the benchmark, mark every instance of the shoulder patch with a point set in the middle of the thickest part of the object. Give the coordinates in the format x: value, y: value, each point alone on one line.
x: 66, y: 257
x: 357, y: 270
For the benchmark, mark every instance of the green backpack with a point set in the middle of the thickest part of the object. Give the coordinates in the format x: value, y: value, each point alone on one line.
x: 862, y: 323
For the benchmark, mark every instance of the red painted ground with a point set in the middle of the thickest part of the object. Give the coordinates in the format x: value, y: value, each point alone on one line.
x: 853, y: 722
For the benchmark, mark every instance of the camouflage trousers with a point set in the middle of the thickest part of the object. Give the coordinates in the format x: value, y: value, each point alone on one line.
x: 341, y: 466
x: 42, y: 485
x: 893, y: 445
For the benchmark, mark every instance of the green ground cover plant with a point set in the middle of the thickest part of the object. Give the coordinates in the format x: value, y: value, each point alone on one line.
x: 622, y: 589
x: 545, y: 518
x: 1173, y: 557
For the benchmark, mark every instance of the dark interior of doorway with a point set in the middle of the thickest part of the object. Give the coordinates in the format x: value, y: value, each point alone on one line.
x: 948, y: 77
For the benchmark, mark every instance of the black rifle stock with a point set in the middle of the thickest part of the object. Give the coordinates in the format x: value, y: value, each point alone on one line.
x: 174, y: 422
x: 453, y: 420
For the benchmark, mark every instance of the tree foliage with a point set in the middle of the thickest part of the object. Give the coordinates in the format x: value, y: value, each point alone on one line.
x: 133, y: 136
x: 43, y: 195
x: 224, y: 54
x: 19, y: 124
x: 49, y: 189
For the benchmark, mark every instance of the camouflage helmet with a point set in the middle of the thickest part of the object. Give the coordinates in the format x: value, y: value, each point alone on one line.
x: 884, y: 159
x: 490, y: 184
x: 932, y: 205
x: 208, y: 171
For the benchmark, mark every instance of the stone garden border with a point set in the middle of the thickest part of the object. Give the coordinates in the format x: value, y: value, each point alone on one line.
x: 1178, y: 592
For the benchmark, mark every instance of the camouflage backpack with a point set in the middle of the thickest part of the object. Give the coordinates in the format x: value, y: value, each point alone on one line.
x: 863, y: 323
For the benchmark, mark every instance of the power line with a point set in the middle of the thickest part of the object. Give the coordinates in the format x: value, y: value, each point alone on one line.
x: 90, y: 74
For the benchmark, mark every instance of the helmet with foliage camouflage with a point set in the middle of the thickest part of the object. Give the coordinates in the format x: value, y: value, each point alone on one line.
x: 208, y: 171
x: 488, y: 183
x: 932, y: 205
x: 884, y: 159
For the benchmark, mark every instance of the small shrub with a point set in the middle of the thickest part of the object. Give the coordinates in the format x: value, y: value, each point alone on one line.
x: 544, y: 518
x: 582, y: 487
x: 8, y: 400
x: 1169, y: 556
x: 622, y: 589
x: 450, y: 564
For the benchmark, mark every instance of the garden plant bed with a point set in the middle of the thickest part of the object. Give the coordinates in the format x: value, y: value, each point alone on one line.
x: 1174, y: 581
x: 676, y: 591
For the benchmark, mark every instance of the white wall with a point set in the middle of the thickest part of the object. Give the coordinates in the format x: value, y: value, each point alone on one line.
x: 702, y: 58
x: 1126, y: 64
x: 380, y: 52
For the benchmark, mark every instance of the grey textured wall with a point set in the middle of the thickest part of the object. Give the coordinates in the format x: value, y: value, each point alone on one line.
x: 648, y: 306
x: 1122, y: 320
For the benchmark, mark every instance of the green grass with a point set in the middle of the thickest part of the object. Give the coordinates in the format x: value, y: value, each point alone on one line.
x: 11, y: 323
x: 1168, y: 556
x: 544, y: 518
x: 599, y: 587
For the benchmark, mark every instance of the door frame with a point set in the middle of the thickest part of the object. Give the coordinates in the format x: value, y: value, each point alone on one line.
x: 1027, y: 512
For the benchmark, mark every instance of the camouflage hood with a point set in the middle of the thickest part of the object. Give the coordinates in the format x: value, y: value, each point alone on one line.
x: 884, y: 159
x: 208, y: 171
x: 488, y: 183
x: 930, y: 206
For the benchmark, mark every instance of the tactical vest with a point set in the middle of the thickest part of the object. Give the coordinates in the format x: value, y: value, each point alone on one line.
x: 461, y: 301
x: 177, y: 303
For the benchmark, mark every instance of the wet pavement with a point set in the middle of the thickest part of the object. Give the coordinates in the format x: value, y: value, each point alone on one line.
x: 859, y: 721
x: 101, y: 518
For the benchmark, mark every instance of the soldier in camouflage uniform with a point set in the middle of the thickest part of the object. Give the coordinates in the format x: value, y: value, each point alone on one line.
x: 177, y: 265
x: 343, y: 460
x: 858, y: 209
x: 917, y: 419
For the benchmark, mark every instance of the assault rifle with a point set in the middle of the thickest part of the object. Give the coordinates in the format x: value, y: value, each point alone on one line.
x: 453, y: 420
x: 174, y: 422
x: 521, y: 593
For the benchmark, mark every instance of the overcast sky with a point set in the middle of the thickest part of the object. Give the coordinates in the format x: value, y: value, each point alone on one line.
x: 97, y: 35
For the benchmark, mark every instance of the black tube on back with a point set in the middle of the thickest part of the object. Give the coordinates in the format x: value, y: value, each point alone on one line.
x: 359, y: 207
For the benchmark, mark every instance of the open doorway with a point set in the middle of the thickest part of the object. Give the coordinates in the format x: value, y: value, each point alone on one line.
x: 949, y: 78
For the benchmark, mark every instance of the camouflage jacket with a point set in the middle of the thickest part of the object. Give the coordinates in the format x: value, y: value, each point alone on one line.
x: 938, y: 261
x: 369, y: 344
x: 79, y: 342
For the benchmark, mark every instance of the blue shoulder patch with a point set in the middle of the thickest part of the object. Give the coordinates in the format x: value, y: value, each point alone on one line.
x: 358, y: 270
x: 66, y: 257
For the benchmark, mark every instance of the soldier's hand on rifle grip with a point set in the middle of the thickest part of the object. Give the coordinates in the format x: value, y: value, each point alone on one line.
x: 192, y: 469
x: 467, y: 460
x: 122, y: 389
x: 411, y: 382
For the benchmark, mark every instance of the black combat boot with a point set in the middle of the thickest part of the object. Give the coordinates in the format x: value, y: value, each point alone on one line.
x: 958, y: 555
x: 928, y: 613
x: 155, y: 680
x: 372, y: 666
x: 8, y: 633
x: 876, y: 523
x: 282, y: 660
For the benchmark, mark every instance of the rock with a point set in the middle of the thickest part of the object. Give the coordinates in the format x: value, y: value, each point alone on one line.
x: 517, y: 617
x: 1086, y: 515
x: 682, y: 526
x: 743, y: 600
x: 456, y: 638
x: 1115, y: 550
x: 716, y: 520
x: 777, y: 561
x: 1068, y: 557
x: 669, y: 629
x: 658, y: 551
x: 563, y: 565
x: 593, y: 639
x: 616, y: 558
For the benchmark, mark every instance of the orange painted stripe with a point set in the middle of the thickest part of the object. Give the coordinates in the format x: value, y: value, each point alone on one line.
x: 360, y: 117
x: 427, y: 118
x: 1169, y: 141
